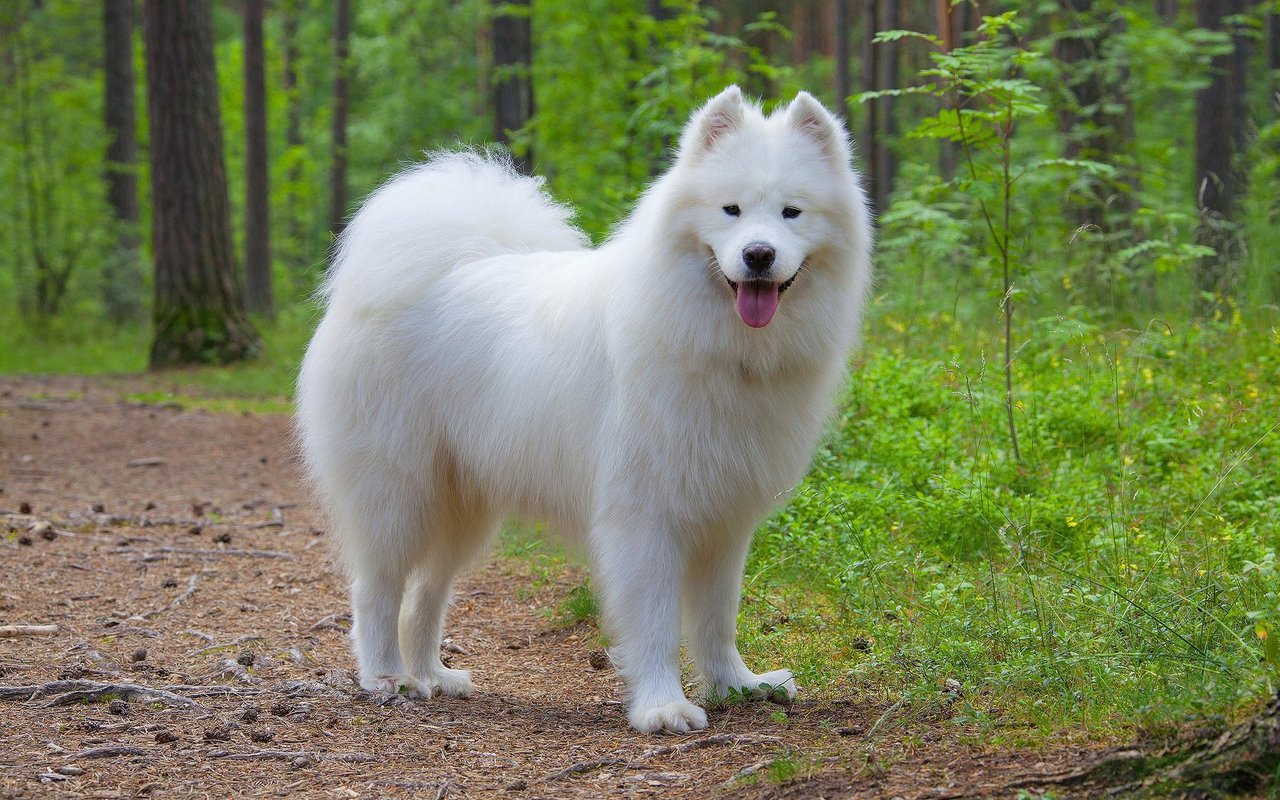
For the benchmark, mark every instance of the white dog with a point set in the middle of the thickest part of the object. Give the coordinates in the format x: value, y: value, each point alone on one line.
x: 651, y: 398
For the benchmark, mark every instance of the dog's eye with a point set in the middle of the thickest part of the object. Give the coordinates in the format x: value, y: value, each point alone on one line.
x: 732, y: 210
x: 790, y: 212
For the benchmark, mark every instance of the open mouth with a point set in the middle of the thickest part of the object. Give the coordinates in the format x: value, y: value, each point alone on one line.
x: 757, y: 301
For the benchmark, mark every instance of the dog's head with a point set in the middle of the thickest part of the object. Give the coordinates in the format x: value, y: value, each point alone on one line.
x: 768, y: 198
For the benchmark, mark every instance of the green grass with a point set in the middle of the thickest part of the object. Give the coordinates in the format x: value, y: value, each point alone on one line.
x: 83, y: 346
x: 1123, y: 575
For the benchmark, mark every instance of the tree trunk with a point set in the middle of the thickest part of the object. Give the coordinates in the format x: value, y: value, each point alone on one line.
x: 1094, y: 112
x: 513, y: 86
x: 199, y: 311
x: 842, y: 58
x: 122, y: 274
x: 338, y: 133
x: 871, y: 143
x: 887, y: 171
x: 293, y: 250
x: 944, y: 21
x: 257, y: 204
x: 1273, y: 54
x: 1220, y: 138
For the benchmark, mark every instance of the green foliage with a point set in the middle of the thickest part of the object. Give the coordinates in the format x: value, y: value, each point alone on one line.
x: 982, y: 104
x: 1124, y: 571
x: 580, y: 607
x: 54, y: 220
x: 615, y: 87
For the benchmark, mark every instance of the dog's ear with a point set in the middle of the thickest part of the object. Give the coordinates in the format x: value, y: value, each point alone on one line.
x: 810, y: 118
x: 721, y: 116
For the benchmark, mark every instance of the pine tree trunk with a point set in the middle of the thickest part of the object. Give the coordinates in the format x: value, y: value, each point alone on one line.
x: 944, y: 21
x: 513, y: 87
x: 1220, y: 138
x: 293, y: 143
x: 257, y: 205
x: 887, y: 171
x: 842, y: 58
x: 338, y: 133
x: 199, y: 311
x: 1093, y: 109
x: 871, y: 143
x: 122, y: 275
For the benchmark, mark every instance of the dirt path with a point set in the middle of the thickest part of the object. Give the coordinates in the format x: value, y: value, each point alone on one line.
x: 184, y: 556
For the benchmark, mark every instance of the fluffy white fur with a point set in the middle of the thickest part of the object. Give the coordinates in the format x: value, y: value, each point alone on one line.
x: 477, y: 360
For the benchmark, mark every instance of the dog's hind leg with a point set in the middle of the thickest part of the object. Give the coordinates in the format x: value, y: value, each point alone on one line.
x: 379, y: 524
x: 712, y: 591
x: 427, y: 600
x: 376, y: 592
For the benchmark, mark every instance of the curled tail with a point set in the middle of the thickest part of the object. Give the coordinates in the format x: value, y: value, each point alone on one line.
x: 434, y: 217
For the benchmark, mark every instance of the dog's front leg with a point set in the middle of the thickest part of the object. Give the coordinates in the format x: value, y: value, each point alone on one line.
x: 640, y: 568
x: 713, y: 588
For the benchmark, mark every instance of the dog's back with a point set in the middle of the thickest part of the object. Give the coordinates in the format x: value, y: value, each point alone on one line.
x: 455, y: 209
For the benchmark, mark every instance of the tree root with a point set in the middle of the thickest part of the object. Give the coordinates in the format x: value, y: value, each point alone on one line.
x: 67, y: 692
x: 1242, y: 760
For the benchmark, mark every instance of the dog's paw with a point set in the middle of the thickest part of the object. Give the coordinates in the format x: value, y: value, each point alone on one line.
x: 778, y: 686
x: 453, y: 682
x: 678, y: 716
x: 446, y: 683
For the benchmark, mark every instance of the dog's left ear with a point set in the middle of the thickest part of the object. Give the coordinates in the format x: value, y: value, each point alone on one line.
x: 810, y: 118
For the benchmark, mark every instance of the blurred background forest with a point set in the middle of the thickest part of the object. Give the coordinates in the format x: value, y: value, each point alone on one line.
x: 1054, y: 480
x: 1158, y: 121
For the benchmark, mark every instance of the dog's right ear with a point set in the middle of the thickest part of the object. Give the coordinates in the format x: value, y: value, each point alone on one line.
x: 721, y: 116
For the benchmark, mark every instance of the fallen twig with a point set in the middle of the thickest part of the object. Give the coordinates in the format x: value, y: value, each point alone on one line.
x: 239, y: 640
x: 152, y: 461
x: 189, y: 690
x: 684, y: 747
x: 748, y: 771
x: 14, y: 631
x: 110, y: 751
x: 334, y: 622
x: 177, y: 601
x: 292, y: 755
x: 36, y: 526
x: 162, y: 553
x: 230, y: 668
x: 74, y: 691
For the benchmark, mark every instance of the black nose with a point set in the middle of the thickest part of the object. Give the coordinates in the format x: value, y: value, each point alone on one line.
x: 758, y: 256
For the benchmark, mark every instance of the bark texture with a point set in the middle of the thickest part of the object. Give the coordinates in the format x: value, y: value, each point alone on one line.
x: 1220, y: 139
x: 841, y: 47
x: 257, y: 218
x: 199, y: 310
x: 293, y: 235
x: 122, y: 274
x: 1095, y: 116
x: 513, y: 85
x: 338, y: 131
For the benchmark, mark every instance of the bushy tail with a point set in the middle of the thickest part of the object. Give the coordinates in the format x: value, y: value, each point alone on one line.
x: 430, y: 219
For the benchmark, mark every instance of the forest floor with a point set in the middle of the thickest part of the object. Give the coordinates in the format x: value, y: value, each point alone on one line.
x: 176, y: 550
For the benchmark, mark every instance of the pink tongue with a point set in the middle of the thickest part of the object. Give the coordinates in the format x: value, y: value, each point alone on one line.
x: 757, y: 301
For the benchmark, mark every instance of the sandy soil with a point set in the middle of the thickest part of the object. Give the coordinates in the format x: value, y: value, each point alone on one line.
x: 176, y: 550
